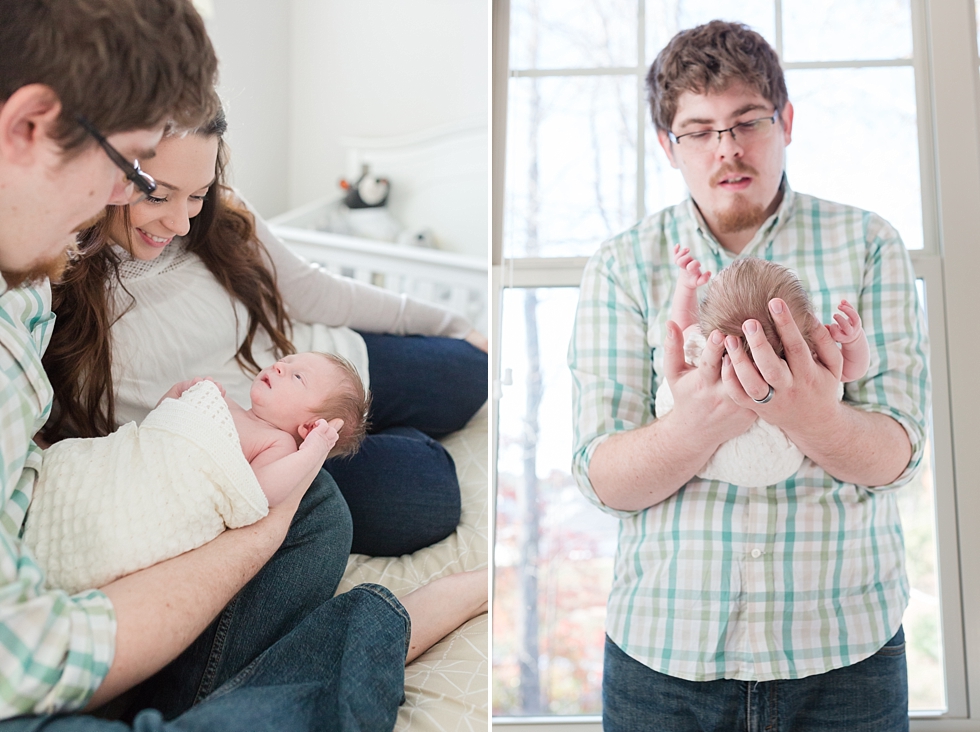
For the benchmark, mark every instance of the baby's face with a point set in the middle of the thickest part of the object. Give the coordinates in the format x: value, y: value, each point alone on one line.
x: 287, y: 393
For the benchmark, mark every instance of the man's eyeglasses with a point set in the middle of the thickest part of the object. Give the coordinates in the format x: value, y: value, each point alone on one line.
x: 143, y: 183
x: 744, y: 132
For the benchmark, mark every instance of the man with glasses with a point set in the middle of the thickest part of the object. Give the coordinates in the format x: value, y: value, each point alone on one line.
x: 141, y: 184
x: 738, y: 608
x: 71, y: 71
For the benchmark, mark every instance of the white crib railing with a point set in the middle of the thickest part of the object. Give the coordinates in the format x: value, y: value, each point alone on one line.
x: 456, y: 282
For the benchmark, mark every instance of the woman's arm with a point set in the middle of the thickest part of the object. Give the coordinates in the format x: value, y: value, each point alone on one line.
x: 313, y: 295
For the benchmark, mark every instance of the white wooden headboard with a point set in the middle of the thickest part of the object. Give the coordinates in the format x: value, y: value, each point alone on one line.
x: 439, y: 179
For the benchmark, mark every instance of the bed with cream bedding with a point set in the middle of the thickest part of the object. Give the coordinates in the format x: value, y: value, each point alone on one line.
x: 446, y: 688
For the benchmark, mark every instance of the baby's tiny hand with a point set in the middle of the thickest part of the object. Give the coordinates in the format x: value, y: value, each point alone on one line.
x: 323, y: 436
x: 847, y: 327
x: 691, y: 274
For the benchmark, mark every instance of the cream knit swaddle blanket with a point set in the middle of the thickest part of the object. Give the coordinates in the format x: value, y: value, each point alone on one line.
x: 103, y: 508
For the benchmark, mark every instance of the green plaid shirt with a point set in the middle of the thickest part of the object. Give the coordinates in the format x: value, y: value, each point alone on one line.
x: 720, y: 581
x: 55, y: 649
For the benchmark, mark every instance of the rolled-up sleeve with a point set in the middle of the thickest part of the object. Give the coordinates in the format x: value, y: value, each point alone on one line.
x: 897, y: 382
x: 55, y: 649
x: 610, y: 360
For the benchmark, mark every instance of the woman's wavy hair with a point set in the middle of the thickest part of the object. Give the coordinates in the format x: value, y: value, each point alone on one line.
x: 79, y: 359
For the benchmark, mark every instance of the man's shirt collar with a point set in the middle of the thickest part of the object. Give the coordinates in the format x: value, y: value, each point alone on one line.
x: 770, y: 227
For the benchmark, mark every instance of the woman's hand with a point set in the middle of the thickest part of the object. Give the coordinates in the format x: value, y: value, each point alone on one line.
x: 177, y: 390
x: 478, y: 340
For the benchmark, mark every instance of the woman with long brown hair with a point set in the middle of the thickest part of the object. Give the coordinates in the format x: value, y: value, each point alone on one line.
x: 192, y: 282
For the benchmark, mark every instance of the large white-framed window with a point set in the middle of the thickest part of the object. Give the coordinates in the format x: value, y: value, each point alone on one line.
x: 888, y: 92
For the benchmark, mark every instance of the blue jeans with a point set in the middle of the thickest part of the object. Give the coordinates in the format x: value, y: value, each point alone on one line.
x: 870, y: 696
x: 401, y: 486
x: 284, y: 654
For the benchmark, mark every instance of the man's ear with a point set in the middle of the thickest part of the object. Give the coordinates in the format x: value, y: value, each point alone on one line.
x: 786, y: 118
x: 668, y: 147
x: 26, y: 120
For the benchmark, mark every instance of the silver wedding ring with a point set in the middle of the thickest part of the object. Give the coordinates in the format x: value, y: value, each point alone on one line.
x: 767, y: 398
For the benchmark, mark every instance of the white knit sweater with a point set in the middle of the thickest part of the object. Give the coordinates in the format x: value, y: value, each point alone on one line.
x: 179, y: 322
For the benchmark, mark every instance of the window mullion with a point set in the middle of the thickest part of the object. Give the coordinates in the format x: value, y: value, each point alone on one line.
x: 593, y: 71
x: 778, y: 13
x: 640, y: 110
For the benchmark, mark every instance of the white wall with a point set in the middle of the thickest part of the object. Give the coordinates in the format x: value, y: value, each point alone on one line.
x: 380, y: 68
x: 298, y: 75
x: 251, y: 38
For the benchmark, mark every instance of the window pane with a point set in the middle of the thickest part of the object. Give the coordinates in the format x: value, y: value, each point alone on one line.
x: 844, y: 30
x: 922, y: 620
x: 665, y: 18
x: 855, y: 141
x: 664, y: 185
x: 554, y: 551
x: 565, y: 34
x: 571, y: 164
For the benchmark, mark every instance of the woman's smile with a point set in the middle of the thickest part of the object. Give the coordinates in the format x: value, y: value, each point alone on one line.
x: 154, y: 241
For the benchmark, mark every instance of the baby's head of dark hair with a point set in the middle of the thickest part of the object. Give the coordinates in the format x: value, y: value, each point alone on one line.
x: 350, y: 402
x: 743, y: 290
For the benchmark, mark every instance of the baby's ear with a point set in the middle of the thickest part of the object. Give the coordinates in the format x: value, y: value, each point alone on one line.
x: 306, y: 428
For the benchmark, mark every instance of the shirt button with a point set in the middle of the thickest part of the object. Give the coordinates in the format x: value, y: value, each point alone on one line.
x: 756, y: 553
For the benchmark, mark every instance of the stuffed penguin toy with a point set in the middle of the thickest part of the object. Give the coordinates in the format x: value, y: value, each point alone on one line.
x: 369, y: 191
x: 363, y: 212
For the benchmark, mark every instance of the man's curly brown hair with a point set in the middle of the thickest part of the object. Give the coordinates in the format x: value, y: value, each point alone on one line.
x: 709, y: 59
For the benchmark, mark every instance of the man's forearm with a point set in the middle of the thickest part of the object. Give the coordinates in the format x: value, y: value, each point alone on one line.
x: 640, y: 468
x: 854, y: 446
x: 162, y: 609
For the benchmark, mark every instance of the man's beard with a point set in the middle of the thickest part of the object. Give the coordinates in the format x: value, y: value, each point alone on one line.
x: 51, y: 269
x: 740, y: 216
x: 54, y: 267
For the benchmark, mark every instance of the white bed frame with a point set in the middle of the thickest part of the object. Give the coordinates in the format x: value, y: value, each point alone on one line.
x: 439, y: 180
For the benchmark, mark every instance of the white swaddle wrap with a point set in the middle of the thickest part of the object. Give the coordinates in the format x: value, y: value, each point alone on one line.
x: 759, y: 457
x: 103, y: 508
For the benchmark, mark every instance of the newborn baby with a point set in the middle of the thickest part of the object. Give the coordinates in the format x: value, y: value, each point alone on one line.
x: 286, y: 434
x: 762, y: 455
x: 103, y: 508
